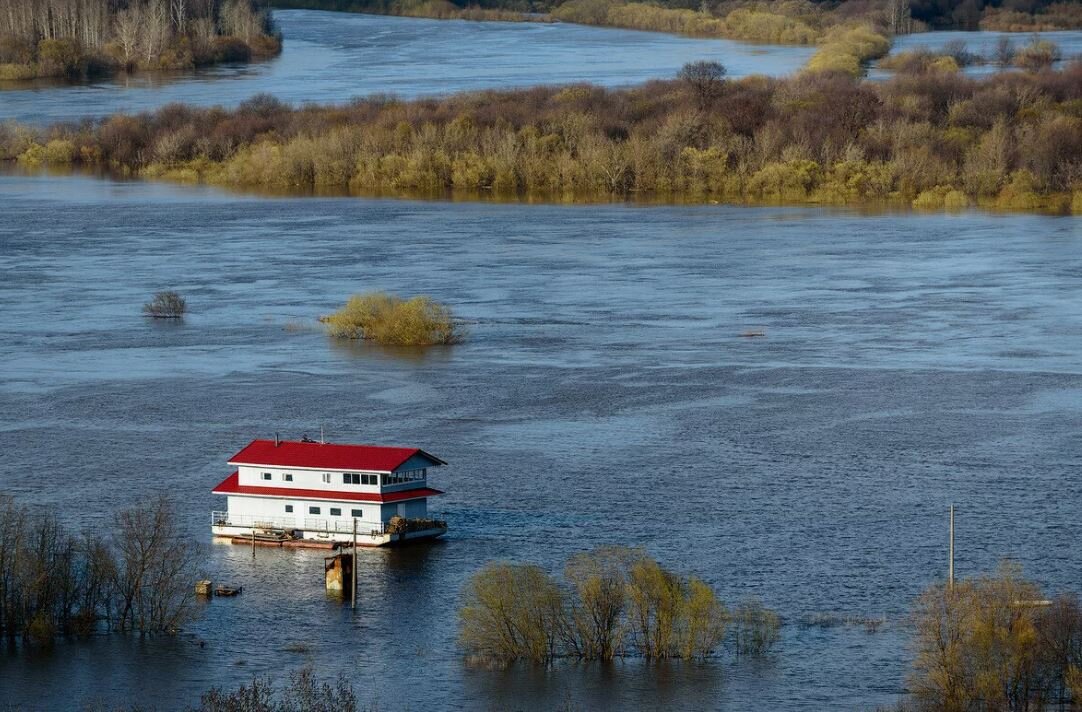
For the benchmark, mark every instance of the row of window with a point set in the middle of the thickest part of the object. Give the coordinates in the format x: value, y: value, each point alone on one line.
x: 334, y: 511
x: 359, y: 478
x: 406, y: 476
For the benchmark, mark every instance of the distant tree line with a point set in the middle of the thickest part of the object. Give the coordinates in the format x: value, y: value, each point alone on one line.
x: 930, y: 139
x: 73, y: 38
x: 615, y: 602
x: 138, y: 577
x: 1017, y: 15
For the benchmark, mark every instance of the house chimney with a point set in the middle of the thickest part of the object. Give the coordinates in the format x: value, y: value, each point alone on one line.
x: 275, y: 439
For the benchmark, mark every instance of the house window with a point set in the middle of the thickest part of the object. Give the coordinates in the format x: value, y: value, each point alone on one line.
x: 313, y: 510
x: 351, y: 478
x: 287, y: 477
x: 289, y: 508
x: 266, y: 475
x: 327, y: 477
x: 369, y: 480
x: 356, y: 513
x: 336, y: 512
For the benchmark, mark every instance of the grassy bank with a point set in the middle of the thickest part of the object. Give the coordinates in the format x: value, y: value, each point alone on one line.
x: 93, y: 38
x: 932, y: 140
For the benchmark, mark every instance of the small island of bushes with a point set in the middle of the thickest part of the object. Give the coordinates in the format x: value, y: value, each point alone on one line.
x: 393, y: 321
x: 79, y: 40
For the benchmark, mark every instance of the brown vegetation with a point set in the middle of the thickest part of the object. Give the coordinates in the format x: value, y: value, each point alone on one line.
x: 303, y: 692
x: 81, y: 38
x: 618, y: 601
x: 391, y: 320
x: 166, y: 305
x: 1009, y: 141
x: 1056, y: 16
x: 53, y: 582
x: 994, y: 644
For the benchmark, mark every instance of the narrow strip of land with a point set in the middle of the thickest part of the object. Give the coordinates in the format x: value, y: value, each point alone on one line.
x: 932, y: 139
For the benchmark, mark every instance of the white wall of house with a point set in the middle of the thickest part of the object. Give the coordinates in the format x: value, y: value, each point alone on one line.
x: 330, y: 515
x: 300, y: 478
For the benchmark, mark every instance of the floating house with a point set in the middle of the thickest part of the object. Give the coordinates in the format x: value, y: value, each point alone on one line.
x: 311, y: 491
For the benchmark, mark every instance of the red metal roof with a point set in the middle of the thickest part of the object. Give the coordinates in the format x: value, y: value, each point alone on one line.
x: 327, y: 456
x: 231, y: 485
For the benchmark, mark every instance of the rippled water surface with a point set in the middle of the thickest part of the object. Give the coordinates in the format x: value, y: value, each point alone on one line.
x: 332, y: 57
x: 604, y: 396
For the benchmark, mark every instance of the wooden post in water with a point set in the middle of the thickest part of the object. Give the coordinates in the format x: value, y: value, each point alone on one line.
x: 253, y: 543
x: 353, y: 591
x: 950, y: 554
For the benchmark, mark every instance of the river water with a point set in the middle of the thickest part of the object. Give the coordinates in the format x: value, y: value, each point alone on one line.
x: 332, y: 57
x: 984, y: 45
x: 604, y: 396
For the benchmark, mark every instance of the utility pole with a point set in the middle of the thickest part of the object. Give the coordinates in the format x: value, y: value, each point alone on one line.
x: 353, y: 591
x: 950, y: 555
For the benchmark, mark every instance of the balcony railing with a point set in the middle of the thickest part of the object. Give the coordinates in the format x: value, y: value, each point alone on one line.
x: 313, y: 524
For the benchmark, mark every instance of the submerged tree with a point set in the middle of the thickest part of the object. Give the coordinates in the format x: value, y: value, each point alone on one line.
x: 154, y: 570
x: 619, y: 601
x: 596, y: 619
x: 166, y: 305
x: 993, y: 643
x: 511, y: 612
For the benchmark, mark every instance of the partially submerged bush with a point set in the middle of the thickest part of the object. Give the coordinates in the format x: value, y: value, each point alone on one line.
x: 166, y: 305
x: 618, y: 601
x: 389, y: 319
x: 512, y: 612
x: 756, y: 628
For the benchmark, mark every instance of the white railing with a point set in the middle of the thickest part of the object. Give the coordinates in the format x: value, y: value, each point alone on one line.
x: 313, y: 524
x: 228, y: 519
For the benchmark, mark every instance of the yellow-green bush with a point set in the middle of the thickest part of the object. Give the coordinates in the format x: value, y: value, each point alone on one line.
x: 845, y: 49
x: 389, y: 319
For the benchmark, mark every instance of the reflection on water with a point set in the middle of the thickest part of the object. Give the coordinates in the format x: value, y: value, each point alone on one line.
x: 331, y: 57
x: 604, y: 396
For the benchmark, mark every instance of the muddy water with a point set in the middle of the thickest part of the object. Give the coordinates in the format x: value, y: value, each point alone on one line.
x: 604, y: 396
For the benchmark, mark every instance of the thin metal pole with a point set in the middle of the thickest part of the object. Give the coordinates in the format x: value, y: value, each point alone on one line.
x: 353, y: 591
x: 950, y: 562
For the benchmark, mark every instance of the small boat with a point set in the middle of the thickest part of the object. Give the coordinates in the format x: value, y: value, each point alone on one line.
x: 228, y: 590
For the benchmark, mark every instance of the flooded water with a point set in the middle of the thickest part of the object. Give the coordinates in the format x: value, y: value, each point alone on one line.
x: 332, y: 57
x: 983, y: 44
x: 604, y: 396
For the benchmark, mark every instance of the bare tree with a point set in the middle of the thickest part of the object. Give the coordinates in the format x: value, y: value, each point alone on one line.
x: 705, y: 79
x: 155, y: 568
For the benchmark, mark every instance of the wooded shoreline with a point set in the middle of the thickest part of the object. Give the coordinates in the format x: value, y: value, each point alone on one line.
x: 932, y: 139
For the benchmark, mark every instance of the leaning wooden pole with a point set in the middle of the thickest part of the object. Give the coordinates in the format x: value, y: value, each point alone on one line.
x: 353, y: 590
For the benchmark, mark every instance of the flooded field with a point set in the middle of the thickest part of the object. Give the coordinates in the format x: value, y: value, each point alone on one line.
x: 604, y: 396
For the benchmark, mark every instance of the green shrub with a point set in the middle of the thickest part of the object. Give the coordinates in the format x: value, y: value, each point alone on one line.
x: 388, y: 319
